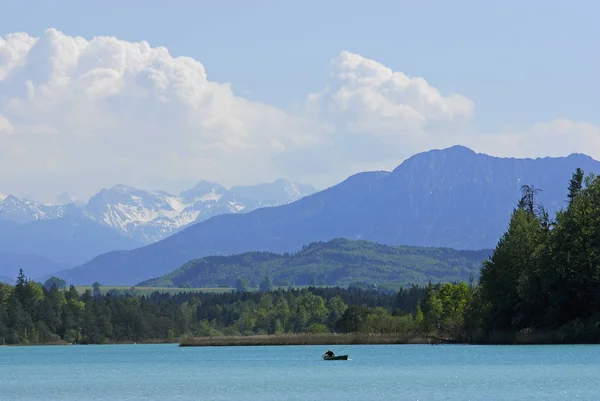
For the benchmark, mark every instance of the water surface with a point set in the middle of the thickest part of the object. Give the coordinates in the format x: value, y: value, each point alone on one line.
x: 375, y: 372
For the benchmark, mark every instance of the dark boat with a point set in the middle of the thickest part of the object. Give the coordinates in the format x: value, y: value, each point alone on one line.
x: 335, y: 358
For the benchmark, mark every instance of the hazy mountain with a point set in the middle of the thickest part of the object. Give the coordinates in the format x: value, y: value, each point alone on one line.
x: 272, y: 194
x: 452, y: 198
x: 65, y: 199
x: 148, y: 216
x: 34, y: 266
x: 67, y: 240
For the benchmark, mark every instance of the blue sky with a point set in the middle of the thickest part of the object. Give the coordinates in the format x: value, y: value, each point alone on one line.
x: 521, y: 62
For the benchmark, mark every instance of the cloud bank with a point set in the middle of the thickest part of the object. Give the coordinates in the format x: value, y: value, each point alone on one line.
x: 77, y: 115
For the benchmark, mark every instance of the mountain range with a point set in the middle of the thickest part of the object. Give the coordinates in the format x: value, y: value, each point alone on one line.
x: 149, y: 216
x: 452, y: 197
x: 43, y: 239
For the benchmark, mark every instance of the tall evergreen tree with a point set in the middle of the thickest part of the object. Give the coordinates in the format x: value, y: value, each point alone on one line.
x: 575, y: 184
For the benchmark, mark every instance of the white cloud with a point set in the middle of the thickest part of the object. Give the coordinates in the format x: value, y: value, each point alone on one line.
x: 389, y: 116
x: 94, y: 113
x: 77, y: 115
x: 367, y: 97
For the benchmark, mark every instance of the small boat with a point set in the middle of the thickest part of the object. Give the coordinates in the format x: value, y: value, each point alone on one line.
x: 335, y: 358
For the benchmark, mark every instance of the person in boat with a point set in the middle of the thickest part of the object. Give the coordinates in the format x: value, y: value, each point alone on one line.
x: 329, y: 353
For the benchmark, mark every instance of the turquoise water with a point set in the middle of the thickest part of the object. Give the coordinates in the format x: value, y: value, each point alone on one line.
x: 376, y: 372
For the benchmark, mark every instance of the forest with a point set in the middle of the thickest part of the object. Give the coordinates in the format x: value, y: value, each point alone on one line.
x: 540, y: 285
x: 338, y: 262
x: 31, y: 313
x: 543, y: 277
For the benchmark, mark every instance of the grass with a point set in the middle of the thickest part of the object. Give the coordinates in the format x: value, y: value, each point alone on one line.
x: 176, y: 290
x: 305, y: 339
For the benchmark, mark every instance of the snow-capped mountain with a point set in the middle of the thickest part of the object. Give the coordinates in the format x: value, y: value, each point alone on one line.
x: 24, y: 211
x: 148, y: 216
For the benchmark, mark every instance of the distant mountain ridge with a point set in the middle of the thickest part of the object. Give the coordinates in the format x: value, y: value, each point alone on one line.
x: 453, y: 198
x: 57, y: 243
x: 148, y: 216
x: 36, y: 266
x: 336, y: 262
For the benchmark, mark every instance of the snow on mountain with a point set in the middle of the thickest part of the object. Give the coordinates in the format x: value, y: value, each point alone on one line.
x: 143, y: 215
x: 25, y: 211
x: 149, y: 216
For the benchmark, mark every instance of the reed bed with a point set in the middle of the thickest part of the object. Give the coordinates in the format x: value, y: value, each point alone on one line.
x: 304, y: 339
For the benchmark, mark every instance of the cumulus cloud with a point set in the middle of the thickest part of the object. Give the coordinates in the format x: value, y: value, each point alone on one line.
x: 367, y: 97
x: 85, y: 114
x: 389, y: 116
x: 77, y: 115
x: 378, y: 116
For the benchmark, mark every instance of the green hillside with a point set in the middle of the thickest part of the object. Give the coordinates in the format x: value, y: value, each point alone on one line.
x: 336, y: 262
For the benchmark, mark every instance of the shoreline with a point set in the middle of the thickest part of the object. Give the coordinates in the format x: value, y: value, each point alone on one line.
x: 121, y: 342
x: 498, y: 338
x: 269, y: 340
x: 333, y: 339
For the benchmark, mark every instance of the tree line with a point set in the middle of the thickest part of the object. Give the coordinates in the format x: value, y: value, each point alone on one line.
x: 540, y: 284
x: 32, y: 313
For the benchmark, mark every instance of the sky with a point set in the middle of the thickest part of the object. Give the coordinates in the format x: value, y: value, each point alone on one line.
x: 94, y: 94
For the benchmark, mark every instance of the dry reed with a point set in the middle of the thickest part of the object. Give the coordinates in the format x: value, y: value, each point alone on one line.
x: 303, y: 339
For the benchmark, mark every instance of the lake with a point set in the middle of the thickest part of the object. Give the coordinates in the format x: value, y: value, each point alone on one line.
x: 375, y: 372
